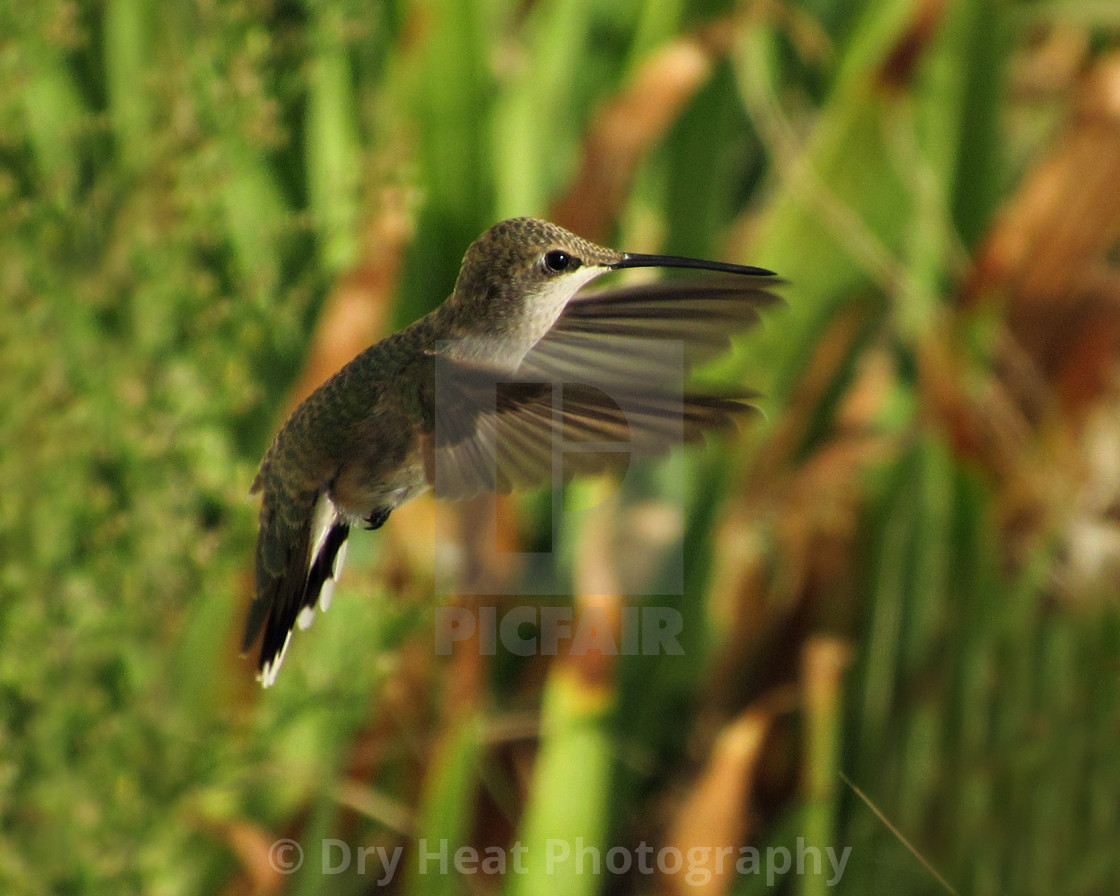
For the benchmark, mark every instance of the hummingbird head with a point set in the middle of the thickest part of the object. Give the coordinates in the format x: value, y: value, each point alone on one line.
x: 517, y: 277
x: 526, y: 260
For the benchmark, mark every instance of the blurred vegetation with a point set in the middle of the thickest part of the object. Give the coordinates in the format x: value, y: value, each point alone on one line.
x: 901, y: 586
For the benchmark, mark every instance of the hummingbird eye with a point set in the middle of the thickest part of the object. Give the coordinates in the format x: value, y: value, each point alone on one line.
x: 558, y: 260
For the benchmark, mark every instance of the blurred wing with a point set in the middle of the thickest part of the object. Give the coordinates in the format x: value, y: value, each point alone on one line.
x: 605, y: 384
x: 633, y: 334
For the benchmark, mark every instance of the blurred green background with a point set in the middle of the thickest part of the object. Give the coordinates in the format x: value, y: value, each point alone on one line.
x: 901, y: 584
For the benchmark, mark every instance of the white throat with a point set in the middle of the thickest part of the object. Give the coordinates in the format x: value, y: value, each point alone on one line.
x: 505, y: 347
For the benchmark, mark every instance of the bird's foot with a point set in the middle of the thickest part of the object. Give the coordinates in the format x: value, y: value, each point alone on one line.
x: 377, y: 519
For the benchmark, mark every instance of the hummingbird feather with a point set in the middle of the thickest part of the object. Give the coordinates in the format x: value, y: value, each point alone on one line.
x: 631, y: 334
x: 300, y: 550
x: 605, y: 385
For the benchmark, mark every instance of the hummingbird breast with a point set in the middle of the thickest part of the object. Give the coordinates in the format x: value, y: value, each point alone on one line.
x: 383, y: 467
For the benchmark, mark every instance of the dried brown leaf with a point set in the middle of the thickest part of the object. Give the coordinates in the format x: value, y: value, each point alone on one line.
x: 1047, y: 258
x: 630, y: 123
x: 713, y: 818
x: 357, y: 310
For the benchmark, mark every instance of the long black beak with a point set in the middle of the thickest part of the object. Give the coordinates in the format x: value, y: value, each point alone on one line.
x: 637, y: 260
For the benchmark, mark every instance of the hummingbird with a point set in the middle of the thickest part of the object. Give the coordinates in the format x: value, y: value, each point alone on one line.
x: 474, y: 398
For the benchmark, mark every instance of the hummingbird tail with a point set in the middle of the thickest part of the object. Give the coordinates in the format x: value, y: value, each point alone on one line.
x: 289, y: 592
